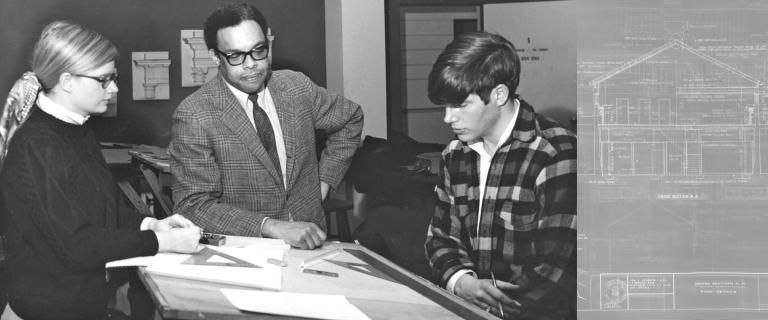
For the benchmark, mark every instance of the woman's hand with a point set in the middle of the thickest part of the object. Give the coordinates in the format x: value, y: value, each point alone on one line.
x: 179, y: 239
x: 174, y: 221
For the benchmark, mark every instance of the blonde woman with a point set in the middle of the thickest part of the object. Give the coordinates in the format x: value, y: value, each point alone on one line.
x: 63, y: 216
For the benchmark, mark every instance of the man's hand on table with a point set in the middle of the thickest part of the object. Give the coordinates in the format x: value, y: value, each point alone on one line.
x: 299, y: 234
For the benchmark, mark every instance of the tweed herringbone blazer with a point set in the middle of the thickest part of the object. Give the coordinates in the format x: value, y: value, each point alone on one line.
x: 225, y: 181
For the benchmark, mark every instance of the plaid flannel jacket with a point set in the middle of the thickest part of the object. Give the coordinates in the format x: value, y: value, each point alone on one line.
x: 528, y: 228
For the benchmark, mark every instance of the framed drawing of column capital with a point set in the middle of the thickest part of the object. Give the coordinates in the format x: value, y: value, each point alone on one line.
x: 197, y: 65
x: 150, y: 75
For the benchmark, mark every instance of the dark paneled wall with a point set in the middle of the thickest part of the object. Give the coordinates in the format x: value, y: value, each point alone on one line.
x: 152, y: 25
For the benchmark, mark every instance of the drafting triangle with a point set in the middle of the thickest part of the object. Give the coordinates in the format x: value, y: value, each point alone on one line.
x: 219, y: 259
x: 359, y: 268
x: 362, y: 268
x: 211, y: 257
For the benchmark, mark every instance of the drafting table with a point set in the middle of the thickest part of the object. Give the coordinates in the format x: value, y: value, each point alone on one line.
x: 151, y: 162
x: 407, y: 297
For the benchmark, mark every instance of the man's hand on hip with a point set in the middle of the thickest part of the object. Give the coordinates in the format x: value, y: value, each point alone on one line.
x: 300, y: 234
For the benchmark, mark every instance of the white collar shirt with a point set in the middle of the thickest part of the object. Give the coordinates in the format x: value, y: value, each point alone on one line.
x: 59, y: 112
x: 268, y: 105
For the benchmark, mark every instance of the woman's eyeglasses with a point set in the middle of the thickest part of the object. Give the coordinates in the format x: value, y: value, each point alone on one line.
x: 104, y: 80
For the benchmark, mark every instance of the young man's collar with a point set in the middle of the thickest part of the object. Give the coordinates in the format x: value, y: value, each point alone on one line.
x: 525, y: 127
x: 478, y: 143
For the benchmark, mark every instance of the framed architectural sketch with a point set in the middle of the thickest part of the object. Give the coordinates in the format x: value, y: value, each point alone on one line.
x: 197, y: 66
x: 150, y: 75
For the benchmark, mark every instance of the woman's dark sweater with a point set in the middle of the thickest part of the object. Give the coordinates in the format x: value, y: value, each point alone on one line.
x: 64, y: 219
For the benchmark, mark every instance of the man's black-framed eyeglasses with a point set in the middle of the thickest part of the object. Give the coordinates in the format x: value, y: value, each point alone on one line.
x: 237, y: 58
x: 104, y: 80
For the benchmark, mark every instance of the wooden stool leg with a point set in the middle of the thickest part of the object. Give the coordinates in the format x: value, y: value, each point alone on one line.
x: 157, y: 191
x: 340, y: 208
x: 328, y: 222
x: 134, y: 198
x: 342, y: 223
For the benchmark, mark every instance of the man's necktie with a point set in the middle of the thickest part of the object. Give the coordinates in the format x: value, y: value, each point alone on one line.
x: 264, y: 129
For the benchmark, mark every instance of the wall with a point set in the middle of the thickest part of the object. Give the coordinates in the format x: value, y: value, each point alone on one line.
x: 549, y: 84
x: 547, y: 78
x: 148, y: 25
x: 356, y: 58
x: 425, y: 33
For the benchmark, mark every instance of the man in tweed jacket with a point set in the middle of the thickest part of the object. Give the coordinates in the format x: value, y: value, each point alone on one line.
x: 506, y: 206
x: 227, y: 181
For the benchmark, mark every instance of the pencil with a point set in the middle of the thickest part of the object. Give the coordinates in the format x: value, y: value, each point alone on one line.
x: 493, y: 278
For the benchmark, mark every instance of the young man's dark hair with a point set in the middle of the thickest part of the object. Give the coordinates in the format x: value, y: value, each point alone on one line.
x: 475, y: 62
x: 228, y: 16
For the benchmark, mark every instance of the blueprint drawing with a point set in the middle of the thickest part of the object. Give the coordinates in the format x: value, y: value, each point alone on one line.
x: 673, y: 159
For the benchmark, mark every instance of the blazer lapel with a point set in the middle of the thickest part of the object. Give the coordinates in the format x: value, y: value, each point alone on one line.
x: 287, y: 118
x: 234, y: 117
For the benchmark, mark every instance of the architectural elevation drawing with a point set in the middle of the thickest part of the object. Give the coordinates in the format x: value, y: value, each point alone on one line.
x: 673, y: 159
x: 150, y: 75
x: 197, y: 65
x: 673, y: 111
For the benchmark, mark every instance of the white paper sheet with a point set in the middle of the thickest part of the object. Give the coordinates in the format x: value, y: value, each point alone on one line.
x: 245, y: 242
x: 317, y: 306
x: 270, y: 244
x: 176, y: 258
